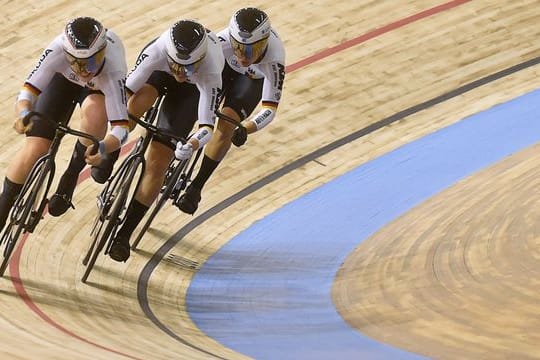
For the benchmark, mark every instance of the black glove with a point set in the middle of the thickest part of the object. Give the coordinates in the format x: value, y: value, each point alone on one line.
x: 239, y: 136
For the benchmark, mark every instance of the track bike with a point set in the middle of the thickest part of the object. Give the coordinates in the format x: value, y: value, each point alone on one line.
x: 177, y: 178
x: 120, y: 189
x: 28, y: 209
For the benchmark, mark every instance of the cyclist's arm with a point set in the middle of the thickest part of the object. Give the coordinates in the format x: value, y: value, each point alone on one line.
x: 274, y: 76
x: 115, y: 104
x: 51, y: 61
x: 24, y: 104
x: 140, y: 101
x: 210, y: 92
x: 141, y: 96
x: 25, y: 101
x: 116, y: 137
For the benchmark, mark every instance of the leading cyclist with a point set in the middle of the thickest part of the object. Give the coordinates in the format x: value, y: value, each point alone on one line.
x: 84, y: 65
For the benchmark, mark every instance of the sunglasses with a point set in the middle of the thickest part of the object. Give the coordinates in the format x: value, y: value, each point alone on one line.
x: 183, y: 70
x: 249, y: 51
x: 90, y: 65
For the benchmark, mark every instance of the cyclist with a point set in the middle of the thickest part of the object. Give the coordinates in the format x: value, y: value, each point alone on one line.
x: 254, y: 69
x: 84, y: 65
x: 184, y: 64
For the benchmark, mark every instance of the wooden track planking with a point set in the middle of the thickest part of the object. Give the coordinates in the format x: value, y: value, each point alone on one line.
x: 322, y: 102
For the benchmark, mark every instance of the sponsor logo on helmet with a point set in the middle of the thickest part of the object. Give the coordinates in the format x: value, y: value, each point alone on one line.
x: 244, y: 35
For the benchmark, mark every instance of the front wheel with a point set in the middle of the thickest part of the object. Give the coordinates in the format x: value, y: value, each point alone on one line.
x: 171, y: 183
x: 125, y: 188
x: 105, y: 200
x: 25, y: 213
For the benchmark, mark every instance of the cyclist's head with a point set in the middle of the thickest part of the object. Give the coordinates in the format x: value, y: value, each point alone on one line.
x: 186, y: 47
x: 84, y: 42
x: 249, y: 30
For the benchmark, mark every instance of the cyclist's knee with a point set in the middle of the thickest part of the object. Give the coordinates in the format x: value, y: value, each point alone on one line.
x: 222, y: 135
x: 218, y: 146
x: 94, y: 117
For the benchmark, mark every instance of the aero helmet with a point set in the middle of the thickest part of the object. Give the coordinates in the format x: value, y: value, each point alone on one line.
x: 84, y: 42
x: 249, y: 30
x: 186, y: 46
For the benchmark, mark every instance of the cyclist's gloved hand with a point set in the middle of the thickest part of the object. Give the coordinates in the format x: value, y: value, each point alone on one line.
x: 22, y: 119
x: 239, y: 136
x: 94, y: 153
x: 92, y: 156
x: 183, y: 151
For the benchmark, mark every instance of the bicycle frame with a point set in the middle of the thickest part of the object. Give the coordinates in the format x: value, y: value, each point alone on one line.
x: 120, y: 190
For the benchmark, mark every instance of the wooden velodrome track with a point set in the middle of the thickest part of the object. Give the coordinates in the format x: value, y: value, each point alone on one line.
x: 414, y: 51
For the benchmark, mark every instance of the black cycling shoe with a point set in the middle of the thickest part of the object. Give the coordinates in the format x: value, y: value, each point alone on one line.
x: 60, y: 202
x: 189, y: 201
x: 103, y: 171
x: 119, y: 250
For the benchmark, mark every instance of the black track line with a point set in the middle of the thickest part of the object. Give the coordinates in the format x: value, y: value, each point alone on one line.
x: 142, y: 283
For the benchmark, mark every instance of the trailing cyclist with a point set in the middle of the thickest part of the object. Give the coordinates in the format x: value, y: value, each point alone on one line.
x: 254, y: 69
x: 184, y: 64
x: 84, y: 65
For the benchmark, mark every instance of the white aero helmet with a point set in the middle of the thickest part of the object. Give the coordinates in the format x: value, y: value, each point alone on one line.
x: 186, y: 46
x: 84, y: 42
x: 249, y: 30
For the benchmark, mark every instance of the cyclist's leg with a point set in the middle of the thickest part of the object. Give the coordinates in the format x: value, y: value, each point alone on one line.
x: 181, y: 112
x: 157, y: 160
x: 138, y: 103
x: 241, y: 96
x: 177, y: 114
x: 94, y: 122
x: 160, y: 151
x: 57, y: 103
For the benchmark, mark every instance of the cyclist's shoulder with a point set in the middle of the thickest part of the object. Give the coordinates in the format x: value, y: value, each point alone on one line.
x: 276, y: 48
x: 113, y: 37
x: 223, y: 37
x: 115, y: 46
x: 115, y: 56
x: 214, y: 53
